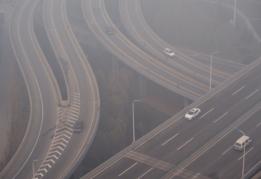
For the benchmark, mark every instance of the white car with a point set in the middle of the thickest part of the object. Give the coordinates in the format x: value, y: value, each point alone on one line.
x: 242, y: 142
x: 194, y: 112
x: 169, y: 52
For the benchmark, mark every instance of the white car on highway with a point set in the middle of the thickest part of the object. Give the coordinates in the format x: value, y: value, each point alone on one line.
x: 192, y: 113
x: 169, y: 52
x: 242, y: 142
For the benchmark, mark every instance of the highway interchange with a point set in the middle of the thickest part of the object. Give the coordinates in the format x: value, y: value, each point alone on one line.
x: 137, y: 26
x: 171, y: 77
x: 49, y: 136
x: 135, y: 163
x: 176, y: 149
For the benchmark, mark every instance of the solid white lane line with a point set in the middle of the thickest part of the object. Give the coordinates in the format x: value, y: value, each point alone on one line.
x: 209, y: 111
x: 170, y: 139
x: 259, y: 124
x: 227, y: 150
x: 133, y: 165
x: 220, y: 117
x: 238, y: 90
x: 246, y: 153
x: 196, y: 176
x: 252, y: 94
x: 145, y: 173
x: 183, y: 145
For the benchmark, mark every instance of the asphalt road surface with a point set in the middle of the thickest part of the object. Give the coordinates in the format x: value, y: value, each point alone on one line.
x: 187, y: 148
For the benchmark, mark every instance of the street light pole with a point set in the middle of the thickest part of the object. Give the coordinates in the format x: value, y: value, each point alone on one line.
x: 244, y: 155
x: 243, y: 164
x: 133, y: 118
x: 211, y: 68
x: 235, y: 13
x: 210, y: 72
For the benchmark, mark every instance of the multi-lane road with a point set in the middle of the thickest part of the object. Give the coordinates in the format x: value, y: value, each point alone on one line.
x: 96, y: 15
x: 39, y: 82
x: 50, y: 148
x: 135, y: 24
x: 51, y: 124
x: 176, y: 77
x: 83, y: 87
x: 199, y: 148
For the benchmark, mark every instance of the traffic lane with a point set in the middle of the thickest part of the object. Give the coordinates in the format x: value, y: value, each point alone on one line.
x: 134, y: 171
x: 45, y: 82
x: 221, y: 126
x: 182, y: 123
x: 127, y: 168
x: 190, y: 140
x: 130, y: 169
x: 106, y: 20
x: 200, y: 74
x: 169, y: 74
x: 176, y: 155
x: 215, y: 156
x: 151, y: 173
x: 85, y: 86
x: 115, y: 169
x: 220, y: 64
x: 138, y: 64
x: 153, y: 47
x: 223, y: 153
x: 139, y: 22
x: 187, y: 129
x: 232, y: 161
x: 48, y: 98
x: 166, y: 74
x: 251, y: 158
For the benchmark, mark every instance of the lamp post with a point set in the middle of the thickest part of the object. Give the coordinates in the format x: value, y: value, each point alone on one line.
x: 210, y: 72
x: 211, y: 69
x: 244, y: 156
x: 243, y: 163
x: 235, y: 13
x: 133, y: 118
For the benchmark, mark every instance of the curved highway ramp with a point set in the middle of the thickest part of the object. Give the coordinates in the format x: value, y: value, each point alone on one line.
x: 175, y: 79
x: 135, y: 24
x: 54, y: 143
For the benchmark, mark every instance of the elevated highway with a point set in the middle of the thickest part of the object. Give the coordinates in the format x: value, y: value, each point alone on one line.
x: 180, y: 148
x: 136, y: 25
x: 165, y: 150
x: 67, y: 149
x: 42, y: 94
x: 55, y: 153
x: 176, y: 78
x: 48, y: 147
